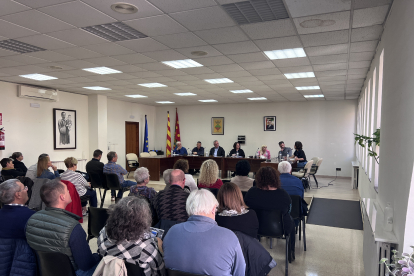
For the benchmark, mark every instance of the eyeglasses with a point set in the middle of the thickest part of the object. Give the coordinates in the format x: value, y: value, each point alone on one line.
x: 24, y: 189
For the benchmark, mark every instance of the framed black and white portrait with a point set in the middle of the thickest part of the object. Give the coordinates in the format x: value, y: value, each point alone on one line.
x: 64, y: 128
x: 269, y: 123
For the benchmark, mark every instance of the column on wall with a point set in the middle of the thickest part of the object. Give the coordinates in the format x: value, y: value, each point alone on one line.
x: 98, y: 123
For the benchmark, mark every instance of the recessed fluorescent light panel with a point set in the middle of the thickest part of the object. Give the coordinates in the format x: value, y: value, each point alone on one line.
x: 97, y: 88
x: 185, y: 94
x: 300, y: 75
x: 102, y: 70
x: 165, y: 102
x: 185, y: 63
x: 286, y: 53
x: 152, y: 85
x: 136, y: 96
x: 214, y: 81
x: 208, y: 101
x: 314, y: 96
x: 307, y: 87
x: 116, y: 31
x: 19, y: 47
x: 257, y: 99
x: 241, y: 91
x: 38, y: 77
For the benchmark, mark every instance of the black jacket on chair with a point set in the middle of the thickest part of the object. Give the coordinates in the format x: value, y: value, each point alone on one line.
x: 220, y: 152
x: 13, y: 173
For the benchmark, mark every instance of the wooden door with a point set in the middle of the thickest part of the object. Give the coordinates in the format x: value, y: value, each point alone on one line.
x: 132, y: 138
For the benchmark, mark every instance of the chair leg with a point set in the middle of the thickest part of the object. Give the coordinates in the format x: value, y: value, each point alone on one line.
x: 128, y: 174
x: 299, y: 228
x: 271, y: 239
x: 316, y: 181
x: 103, y: 199
x: 304, y: 234
x: 287, y: 255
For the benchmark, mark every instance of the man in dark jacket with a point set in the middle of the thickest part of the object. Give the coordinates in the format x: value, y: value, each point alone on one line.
x: 68, y: 236
x: 217, y: 151
x: 95, y: 166
x: 8, y: 170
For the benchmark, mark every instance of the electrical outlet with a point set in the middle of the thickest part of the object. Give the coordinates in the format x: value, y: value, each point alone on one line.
x: 338, y: 169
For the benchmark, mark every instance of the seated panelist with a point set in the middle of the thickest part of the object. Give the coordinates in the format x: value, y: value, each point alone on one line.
x: 237, y: 151
x: 199, y: 150
x: 264, y: 152
x: 217, y: 151
x: 179, y: 149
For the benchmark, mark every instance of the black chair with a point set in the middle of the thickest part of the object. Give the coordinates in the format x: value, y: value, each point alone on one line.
x: 296, y: 214
x: 171, y: 272
x: 225, y: 181
x: 112, y: 182
x: 213, y: 190
x: 54, y: 263
x: 134, y: 269
x: 99, y: 182
x: 96, y: 221
x: 84, y: 199
x: 60, y: 171
x: 244, y: 193
x: 271, y: 225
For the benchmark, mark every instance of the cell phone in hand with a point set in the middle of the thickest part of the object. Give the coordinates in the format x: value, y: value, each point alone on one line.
x: 155, y: 232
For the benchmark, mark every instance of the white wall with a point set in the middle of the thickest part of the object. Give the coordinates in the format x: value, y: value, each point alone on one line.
x: 325, y: 128
x: 30, y: 130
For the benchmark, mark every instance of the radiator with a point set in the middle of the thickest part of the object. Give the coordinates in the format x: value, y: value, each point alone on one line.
x: 60, y: 165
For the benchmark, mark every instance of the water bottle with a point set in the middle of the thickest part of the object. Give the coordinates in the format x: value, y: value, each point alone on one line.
x: 280, y: 157
x: 388, y: 218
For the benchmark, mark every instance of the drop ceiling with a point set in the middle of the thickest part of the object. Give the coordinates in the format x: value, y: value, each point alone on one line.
x: 339, y: 38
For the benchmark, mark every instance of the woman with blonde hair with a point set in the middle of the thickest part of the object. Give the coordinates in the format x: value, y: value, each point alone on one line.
x: 264, y: 152
x: 208, y: 175
x: 43, y: 166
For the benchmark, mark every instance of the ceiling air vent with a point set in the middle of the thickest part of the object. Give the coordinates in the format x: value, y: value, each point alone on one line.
x: 254, y: 11
x: 19, y: 47
x: 116, y: 31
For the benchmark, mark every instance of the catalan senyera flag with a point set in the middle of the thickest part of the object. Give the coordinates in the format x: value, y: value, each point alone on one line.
x: 177, y: 137
x: 168, y: 149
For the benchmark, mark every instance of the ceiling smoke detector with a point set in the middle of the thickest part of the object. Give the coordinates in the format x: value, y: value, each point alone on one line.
x: 314, y: 23
x: 124, y: 8
x: 199, y: 53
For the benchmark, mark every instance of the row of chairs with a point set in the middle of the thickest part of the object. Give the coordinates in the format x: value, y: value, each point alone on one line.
x: 310, y: 169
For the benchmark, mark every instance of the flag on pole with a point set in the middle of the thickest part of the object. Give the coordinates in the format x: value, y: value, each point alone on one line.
x: 177, y: 137
x: 146, y: 148
x: 168, y: 150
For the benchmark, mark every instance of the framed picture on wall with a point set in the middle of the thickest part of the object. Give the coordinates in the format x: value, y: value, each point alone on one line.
x: 64, y: 128
x: 269, y: 123
x: 217, y: 125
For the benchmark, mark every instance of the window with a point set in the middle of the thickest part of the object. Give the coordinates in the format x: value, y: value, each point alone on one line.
x: 378, y: 112
x: 367, y: 120
x: 372, y: 128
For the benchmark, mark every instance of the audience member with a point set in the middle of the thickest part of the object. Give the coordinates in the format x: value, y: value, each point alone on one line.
x: 142, y: 178
x: 32, y: 170
x: 43, y: 166
x: 264, y: 152
x: 127, y: 236
x: 167, y: 178
x: 17, y: 161
x: 300, y: 155
x: 233, y: 213
x: 182, y: 164
x: 285, y: 151
x: 8, y: 171
x: 267, y: 195
x: 199, y: 245
x: 242, y: 178
x: 291, y: 184
x: 80, y: 183
x: 95, y: 166
x: 179, y: 149
x: 68, y: 236
x: 112, y: 167
x: 208, y: 175
x: 169, y: 204
x: 217, y: 151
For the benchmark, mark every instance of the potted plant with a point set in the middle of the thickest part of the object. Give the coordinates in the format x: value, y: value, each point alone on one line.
x: 368, y: 142
x: 400, y: 266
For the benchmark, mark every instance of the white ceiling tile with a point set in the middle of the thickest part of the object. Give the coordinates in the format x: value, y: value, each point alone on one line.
x: 78, y: 37
x: 171, y: 73
x: 264, y: 72
x: 11, y: 30
x: 145, y: 9
x: 105, y: 61
x: 366, y: 33
x: 143, y: 45
x: 145, y: 74
x: 79, y: 73
x: 100, y: 78
x: 327, y: 38
x: 356, y: 81
x: 361, y: 56
x: 9, y: 63
x: 257, y: 65
x: 330, y: 22
x: 197, y: 70
x: 226, y: 68
x: 126, y: 69
x: 328, y: 67
x: 78, y: 64
x: 181, y: 5
x: 180, y: 40
x: 304, y: 82
x: 222, y: 35
x: 237, y: 47
x: 360, y: 4
x: 78, y: 52
x: 279, y: 43
x: 211, y: 52
x: 50, y: 56
x: 359, y: 64
x: 204, y: 18
x: 356, y: 76
x: 250, y: 57
x: 365, y: 46
x: 271, y: 77
x: 109, y: 49
x: 153, y: 66
x: 37, y: 21
x: 183, y: 78
x: 45, y: 42
x: 270, y: 29
x: 296, y: 69
x: 53, y: 64
x: 123, y: 76
x: 291, y: 62
x: 60, y: 75
x: 236, y: 74
x: 9, y: 7
x: 327, y: 50
x: 329, y: 59
x: 330, y: 73
x: 78, y: 14
x: 358, y: 71
x: 165, y: 55
x: 333, y: 78
x: 151, y: 25
x: 41, y: 3
x: 299, y: 8
x: 369, y: 16
x: 330, y: 83
x: 26, y: 59
x: 163, y: 80
x: 219, y: 60
x: 4, y: 53
x: 134, y: 58
x: 12, y: 71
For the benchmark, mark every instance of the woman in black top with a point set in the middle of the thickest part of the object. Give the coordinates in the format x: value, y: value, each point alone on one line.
x: 300, y: 155
x: 233, y: 213
x: 17, y: 161
x: 237, y: 150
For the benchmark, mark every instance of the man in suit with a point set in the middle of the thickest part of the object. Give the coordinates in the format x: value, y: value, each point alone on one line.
x: 217, y: 151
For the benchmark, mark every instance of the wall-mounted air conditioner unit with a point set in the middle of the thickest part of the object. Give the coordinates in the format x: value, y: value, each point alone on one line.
x: 36, y: 93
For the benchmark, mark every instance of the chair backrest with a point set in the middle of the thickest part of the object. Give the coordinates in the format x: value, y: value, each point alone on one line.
x: 54, y: 263
x: 112, y: 181
x: 97, y: 220
x: 296, y: 206
x: 316, y: 166
x: 308, y: 166
x: 315, y: 160
x: 319, y: 162
x: 96, y: 181
x: 225, y: 180
x: 270, y: 223
x: 144, y: 154
x: 134, y: 269
x: 132, y: 157
x: 172, y: 272
x: 244, y: 193
x: 60, y: 171
x: 153, y: 153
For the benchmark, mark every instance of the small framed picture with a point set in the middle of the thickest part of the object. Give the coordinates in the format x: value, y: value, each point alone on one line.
x: 64, y: 128
x: 217, y: 125
x: 269, y: 123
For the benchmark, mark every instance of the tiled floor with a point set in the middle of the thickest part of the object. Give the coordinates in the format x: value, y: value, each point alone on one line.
x: 330, y: 251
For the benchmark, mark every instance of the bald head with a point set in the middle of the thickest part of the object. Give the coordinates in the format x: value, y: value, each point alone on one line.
x: 178, y: 178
